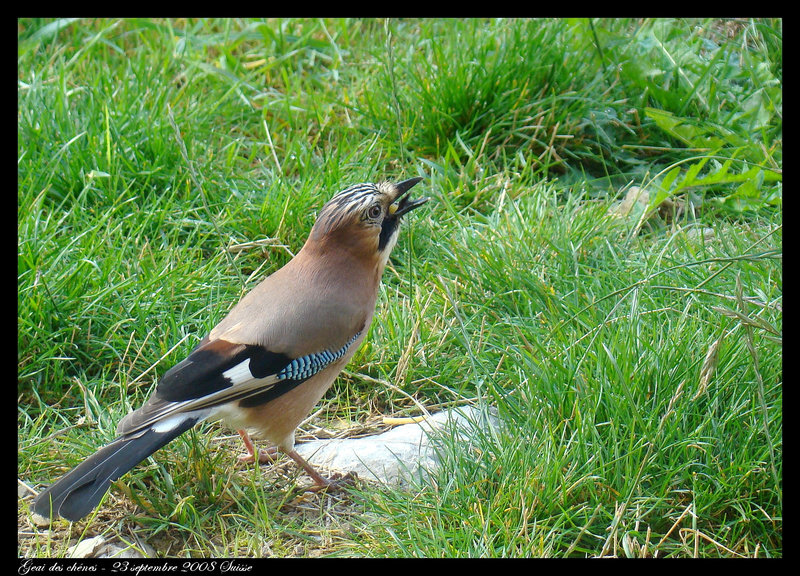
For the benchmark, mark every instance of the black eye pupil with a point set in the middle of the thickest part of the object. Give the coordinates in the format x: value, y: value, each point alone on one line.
x: 374, y: 211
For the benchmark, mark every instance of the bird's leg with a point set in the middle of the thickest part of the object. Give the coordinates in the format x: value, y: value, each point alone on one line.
x: 318, y: 478
x: 321, y: 483
x: 267, y: 456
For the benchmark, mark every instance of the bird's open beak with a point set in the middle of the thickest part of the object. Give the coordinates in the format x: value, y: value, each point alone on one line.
x: 402, y: 203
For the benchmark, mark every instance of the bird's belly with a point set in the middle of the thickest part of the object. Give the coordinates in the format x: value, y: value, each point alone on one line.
x: 276, y: 420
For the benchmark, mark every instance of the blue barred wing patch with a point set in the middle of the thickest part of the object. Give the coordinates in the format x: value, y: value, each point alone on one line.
x: 306, y: 366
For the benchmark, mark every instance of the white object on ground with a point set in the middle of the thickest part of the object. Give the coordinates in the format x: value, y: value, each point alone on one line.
x: 401, y: 454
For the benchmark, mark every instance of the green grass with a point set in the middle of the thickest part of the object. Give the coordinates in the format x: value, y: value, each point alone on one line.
x: 165, y: 166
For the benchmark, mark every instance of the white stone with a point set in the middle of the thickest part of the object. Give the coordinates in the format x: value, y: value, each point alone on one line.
x: 398, y: 455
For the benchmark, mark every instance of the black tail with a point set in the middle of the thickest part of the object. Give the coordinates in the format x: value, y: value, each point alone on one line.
x: 80, y: 490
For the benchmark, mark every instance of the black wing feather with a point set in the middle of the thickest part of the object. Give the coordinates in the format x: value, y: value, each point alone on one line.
x: 202, y: 372
x: 80, y: 490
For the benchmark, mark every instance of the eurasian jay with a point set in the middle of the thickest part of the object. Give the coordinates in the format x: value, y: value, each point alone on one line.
x: 269, y: 361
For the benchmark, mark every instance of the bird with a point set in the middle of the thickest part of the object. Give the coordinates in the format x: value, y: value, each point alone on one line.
x: 267, y: 363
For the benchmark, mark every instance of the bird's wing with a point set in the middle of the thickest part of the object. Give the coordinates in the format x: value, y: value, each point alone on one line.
x: 218, y: 372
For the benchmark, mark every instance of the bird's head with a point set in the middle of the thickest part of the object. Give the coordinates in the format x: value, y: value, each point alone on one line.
x: 364, y: 219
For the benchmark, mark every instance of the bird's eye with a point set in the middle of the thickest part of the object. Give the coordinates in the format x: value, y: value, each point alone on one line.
x: 374, y: 211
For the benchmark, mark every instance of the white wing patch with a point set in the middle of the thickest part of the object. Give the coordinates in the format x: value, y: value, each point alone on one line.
x: 171, y: 422
x: 240, y: 373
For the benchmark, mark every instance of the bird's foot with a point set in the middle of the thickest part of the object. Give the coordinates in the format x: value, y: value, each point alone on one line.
x: 334, y: 483
x: 267, y: 456
x: 321, y: 483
